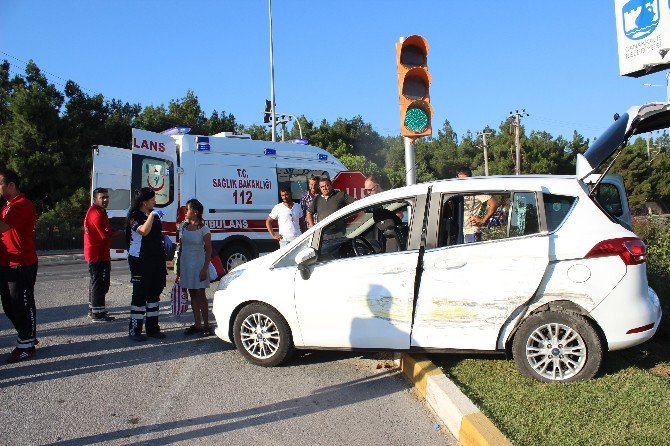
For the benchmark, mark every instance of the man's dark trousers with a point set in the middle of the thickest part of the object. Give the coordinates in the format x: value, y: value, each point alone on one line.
x: 17, y: 288
x: 98, y: 287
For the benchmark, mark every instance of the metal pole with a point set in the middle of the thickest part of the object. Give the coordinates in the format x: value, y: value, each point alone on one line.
x: 272, y: 77
x: 410, y: 165
x: 667, y: 85
x: 648, y: 150
x: 517, y: 143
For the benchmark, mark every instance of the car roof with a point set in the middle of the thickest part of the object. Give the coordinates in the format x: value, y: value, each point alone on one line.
x: 557, y: 184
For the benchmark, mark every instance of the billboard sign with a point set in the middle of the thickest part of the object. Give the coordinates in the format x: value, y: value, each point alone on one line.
x: 643, y: 34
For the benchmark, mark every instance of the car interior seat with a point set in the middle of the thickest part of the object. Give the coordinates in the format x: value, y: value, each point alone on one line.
x: 391, y: 228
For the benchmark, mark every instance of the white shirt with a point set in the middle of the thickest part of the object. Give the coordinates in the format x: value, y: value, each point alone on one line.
x: 288, y: 220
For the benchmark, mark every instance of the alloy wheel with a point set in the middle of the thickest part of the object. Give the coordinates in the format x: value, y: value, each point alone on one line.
x: 556, y: 351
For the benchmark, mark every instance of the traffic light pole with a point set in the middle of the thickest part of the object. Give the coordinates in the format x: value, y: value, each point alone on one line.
x: 410, y: 164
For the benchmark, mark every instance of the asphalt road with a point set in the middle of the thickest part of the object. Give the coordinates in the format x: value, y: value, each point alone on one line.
x: 90, y: 385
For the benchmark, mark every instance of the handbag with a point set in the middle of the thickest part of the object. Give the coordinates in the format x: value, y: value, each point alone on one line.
x: 215, y: 271
x: 179, y: 298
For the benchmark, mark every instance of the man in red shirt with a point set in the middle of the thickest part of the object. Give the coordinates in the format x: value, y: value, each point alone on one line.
x: 97, y: 240
x: 18, y: 265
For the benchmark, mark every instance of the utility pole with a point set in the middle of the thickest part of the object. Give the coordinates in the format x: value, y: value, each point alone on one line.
x: 517, y: 138
x: 486, y: 151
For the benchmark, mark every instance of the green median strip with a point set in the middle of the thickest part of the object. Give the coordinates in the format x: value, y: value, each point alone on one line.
x: 628, y: 403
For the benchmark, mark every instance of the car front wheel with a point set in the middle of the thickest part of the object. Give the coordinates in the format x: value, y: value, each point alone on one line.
x: 557, y: 346
x: 262, y: 335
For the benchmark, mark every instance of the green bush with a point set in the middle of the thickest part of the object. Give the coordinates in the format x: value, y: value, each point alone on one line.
x: 655, y: 231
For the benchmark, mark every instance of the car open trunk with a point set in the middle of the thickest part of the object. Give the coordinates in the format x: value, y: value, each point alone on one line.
x: 637, y: 120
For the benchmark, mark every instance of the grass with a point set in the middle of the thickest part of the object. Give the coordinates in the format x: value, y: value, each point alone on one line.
x: 628, y: 403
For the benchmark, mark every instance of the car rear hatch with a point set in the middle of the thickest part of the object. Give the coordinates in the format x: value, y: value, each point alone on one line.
x: 637, y: 120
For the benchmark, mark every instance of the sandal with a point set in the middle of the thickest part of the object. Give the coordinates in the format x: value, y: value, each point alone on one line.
x: 208, y: 331
x: 192, y: 330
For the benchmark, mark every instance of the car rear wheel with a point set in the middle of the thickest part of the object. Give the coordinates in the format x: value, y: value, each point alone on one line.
x: 262, y: 335
x: 557, y: 346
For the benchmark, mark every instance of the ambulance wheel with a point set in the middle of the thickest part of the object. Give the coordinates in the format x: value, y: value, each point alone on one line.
x: 235, y: 255
x: 262, y: 335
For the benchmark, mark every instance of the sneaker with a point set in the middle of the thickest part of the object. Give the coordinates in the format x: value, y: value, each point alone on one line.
x: 21, y: 354
x: 103, y: 318
x: 157, y: 335
x: 137, y: 337
x: 208, y: 331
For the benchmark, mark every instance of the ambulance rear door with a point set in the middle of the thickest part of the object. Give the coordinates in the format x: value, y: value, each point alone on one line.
x: 154, y: 165
x: 111, y: 170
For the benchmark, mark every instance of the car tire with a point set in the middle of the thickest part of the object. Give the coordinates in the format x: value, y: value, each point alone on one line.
x: 259, y: 322
x: 235, y: 255
x: 557, y: 346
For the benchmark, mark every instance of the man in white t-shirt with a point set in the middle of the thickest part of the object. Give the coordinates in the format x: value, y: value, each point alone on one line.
x: 288, y: 216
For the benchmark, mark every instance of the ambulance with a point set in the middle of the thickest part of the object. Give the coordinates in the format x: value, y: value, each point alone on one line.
x: 237, y: 180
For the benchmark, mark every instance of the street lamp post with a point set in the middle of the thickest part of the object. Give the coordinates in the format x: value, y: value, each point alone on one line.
x: 272, y: 78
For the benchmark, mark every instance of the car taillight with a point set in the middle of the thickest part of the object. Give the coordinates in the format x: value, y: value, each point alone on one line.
x: 631, y: 250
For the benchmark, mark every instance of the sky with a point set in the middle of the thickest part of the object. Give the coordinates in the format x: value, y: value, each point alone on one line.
x: 336, y: 59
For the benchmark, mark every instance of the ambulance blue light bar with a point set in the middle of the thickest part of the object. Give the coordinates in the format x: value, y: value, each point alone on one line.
x: 300, y: 141
x: 180, y: 130
x: 269, y: 152
x: 323, y: 156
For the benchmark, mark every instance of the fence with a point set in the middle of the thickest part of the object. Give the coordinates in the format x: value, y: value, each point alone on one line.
x: 57, y: 240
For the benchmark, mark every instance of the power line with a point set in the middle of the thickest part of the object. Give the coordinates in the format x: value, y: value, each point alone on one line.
x: 25, y: 64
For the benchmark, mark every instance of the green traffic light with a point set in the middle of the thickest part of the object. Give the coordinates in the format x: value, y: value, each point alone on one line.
x: 416, y: 119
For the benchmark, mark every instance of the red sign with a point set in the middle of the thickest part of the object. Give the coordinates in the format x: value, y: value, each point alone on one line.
x: 350, y: 181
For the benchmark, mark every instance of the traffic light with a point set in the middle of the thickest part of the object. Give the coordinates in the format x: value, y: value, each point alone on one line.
x: 268, y: 111
x: 413, y: 87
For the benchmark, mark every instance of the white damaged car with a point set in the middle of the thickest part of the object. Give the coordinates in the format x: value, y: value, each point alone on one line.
x: 556, y: 278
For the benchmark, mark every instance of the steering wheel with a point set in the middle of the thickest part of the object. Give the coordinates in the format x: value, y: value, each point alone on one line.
x: 362, y: 246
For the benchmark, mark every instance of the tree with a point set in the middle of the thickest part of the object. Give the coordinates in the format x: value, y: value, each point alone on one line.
x: 32, y: 134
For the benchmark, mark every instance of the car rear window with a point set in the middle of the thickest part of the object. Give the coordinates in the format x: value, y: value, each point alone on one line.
x: 556, y: 208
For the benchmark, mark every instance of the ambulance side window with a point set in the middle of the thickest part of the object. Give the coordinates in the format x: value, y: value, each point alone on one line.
x: 296, y: 180
x: 156, y: 173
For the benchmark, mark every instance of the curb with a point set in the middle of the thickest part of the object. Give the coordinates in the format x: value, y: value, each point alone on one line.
x: 60, y: 259
x: 466, y: 422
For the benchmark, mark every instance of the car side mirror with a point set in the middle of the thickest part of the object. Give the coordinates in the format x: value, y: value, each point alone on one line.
x: 305, y: 257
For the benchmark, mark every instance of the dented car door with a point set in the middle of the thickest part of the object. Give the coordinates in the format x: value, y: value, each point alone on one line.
x: 469, y: 290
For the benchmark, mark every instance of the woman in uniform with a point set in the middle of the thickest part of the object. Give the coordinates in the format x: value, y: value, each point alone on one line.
x: 146, y: 258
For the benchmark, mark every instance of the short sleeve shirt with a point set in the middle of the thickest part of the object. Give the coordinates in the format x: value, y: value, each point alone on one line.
x: 325, y: 206
x: 97, y: 235
x: 473, y: 205
x: 149, y: 246
x: 18, y: 242
x: 305, y: 202
x: 288, y: 220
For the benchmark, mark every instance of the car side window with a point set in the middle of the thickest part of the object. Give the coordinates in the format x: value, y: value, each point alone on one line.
x: 523, y: 216
x: 471, y: 218
x: 463, y: 218
x: 556, y: 208
x: 377, y: 229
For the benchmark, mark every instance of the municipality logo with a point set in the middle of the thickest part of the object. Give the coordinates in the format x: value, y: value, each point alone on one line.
x: 640, y: 18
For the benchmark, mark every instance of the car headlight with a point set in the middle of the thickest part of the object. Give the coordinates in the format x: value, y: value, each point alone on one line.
x: 225, y: 281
